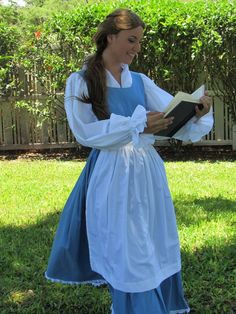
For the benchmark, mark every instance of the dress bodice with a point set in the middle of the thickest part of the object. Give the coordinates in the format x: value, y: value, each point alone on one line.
x: 123, y: 101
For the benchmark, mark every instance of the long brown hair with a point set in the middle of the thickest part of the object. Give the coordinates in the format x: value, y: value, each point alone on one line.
x: 95, y: 75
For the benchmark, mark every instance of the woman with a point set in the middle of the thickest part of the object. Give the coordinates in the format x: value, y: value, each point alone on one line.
x: 127, y: 236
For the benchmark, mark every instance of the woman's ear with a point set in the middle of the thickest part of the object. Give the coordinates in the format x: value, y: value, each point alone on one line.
x: 110, y: 38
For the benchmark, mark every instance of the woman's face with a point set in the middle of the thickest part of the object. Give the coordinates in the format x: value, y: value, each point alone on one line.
x: 125, y: 45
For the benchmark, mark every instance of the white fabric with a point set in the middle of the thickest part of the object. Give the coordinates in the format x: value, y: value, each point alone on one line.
x: 100, y: 134
x: 88, y: 131
x: 158, y: 100
x: 132, y: 234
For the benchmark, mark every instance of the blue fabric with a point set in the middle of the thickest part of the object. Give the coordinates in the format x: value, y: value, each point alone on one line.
x: 165, y: 299
x: 123, y: 101
x: 69, y: 258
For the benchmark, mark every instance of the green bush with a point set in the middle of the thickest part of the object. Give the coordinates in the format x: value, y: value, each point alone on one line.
x: 185, y: 44
x: 8, y: 42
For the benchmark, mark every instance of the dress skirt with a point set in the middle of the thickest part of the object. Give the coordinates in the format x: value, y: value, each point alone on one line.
x: 168, y: 298
x: 69, y: 260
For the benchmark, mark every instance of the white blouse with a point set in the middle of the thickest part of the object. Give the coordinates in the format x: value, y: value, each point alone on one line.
x: 119, y: 130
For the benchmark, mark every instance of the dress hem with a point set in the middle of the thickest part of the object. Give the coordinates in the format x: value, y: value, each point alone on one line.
x: 187, y: 310
x: 181, y: 311
x: 143, y: 286
x: 95, y: 283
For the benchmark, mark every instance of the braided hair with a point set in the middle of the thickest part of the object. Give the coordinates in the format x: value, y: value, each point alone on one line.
x: 95, y: 75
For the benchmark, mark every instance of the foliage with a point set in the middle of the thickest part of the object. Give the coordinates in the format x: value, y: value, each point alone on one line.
x: 185, y: 43
x: 204, y: 198
x: 9, y: 14
x: 220, y: 51
x: 9, y: 42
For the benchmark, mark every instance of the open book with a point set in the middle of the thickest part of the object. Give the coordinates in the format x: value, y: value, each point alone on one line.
x: 182, y: 108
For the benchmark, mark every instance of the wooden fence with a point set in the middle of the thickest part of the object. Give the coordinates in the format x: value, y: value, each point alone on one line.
x: 20, y: 129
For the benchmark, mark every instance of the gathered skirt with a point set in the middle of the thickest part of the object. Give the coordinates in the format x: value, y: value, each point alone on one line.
x: 69, y: 260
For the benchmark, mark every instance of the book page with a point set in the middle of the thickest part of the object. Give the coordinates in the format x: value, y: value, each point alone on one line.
x: 199, y: 92
x: 194, y: 97
x: 177, y: 99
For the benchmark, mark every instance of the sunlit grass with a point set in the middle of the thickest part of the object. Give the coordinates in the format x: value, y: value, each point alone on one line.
x: 33, y: 194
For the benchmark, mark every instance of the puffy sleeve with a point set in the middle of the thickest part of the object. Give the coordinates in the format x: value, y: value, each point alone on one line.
x: 158, y: 100
x: 102, y: 134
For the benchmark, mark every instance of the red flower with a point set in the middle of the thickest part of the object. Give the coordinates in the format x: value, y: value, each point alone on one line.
x: 49, y: 68
x: 37, y: 35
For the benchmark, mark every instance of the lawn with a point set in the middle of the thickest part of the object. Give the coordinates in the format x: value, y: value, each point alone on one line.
x: 32, y: 195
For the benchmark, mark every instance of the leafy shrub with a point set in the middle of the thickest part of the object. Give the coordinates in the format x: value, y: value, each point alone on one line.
x: 185, y: 44
x: 9, y: 38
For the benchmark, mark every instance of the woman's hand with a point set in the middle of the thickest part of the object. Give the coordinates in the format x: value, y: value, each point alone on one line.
x: 156, y: 122
x: 206, y: 101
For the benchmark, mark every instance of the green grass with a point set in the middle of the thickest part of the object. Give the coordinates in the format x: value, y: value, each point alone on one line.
x: 33, y: 194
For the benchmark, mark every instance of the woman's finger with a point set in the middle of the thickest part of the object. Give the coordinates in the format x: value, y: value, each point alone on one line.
x: 156, y: 122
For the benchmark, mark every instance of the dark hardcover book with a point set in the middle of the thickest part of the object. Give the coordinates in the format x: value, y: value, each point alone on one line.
x: 182, y: 108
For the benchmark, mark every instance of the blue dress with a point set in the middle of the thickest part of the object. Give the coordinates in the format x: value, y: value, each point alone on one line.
x: 69, y: 261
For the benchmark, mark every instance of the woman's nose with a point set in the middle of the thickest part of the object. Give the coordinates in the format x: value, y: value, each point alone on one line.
x: 137, y: 48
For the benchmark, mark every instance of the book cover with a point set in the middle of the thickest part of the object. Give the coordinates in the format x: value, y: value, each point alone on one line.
x: 182, y: 108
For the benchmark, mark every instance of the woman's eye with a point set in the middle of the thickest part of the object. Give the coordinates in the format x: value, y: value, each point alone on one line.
x: 131, y: 40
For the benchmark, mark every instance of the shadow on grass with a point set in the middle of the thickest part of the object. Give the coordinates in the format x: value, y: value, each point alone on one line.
x: 23, y: 288
x: 208, y: 273
x: 209, y: 278
x: 195, y: 211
